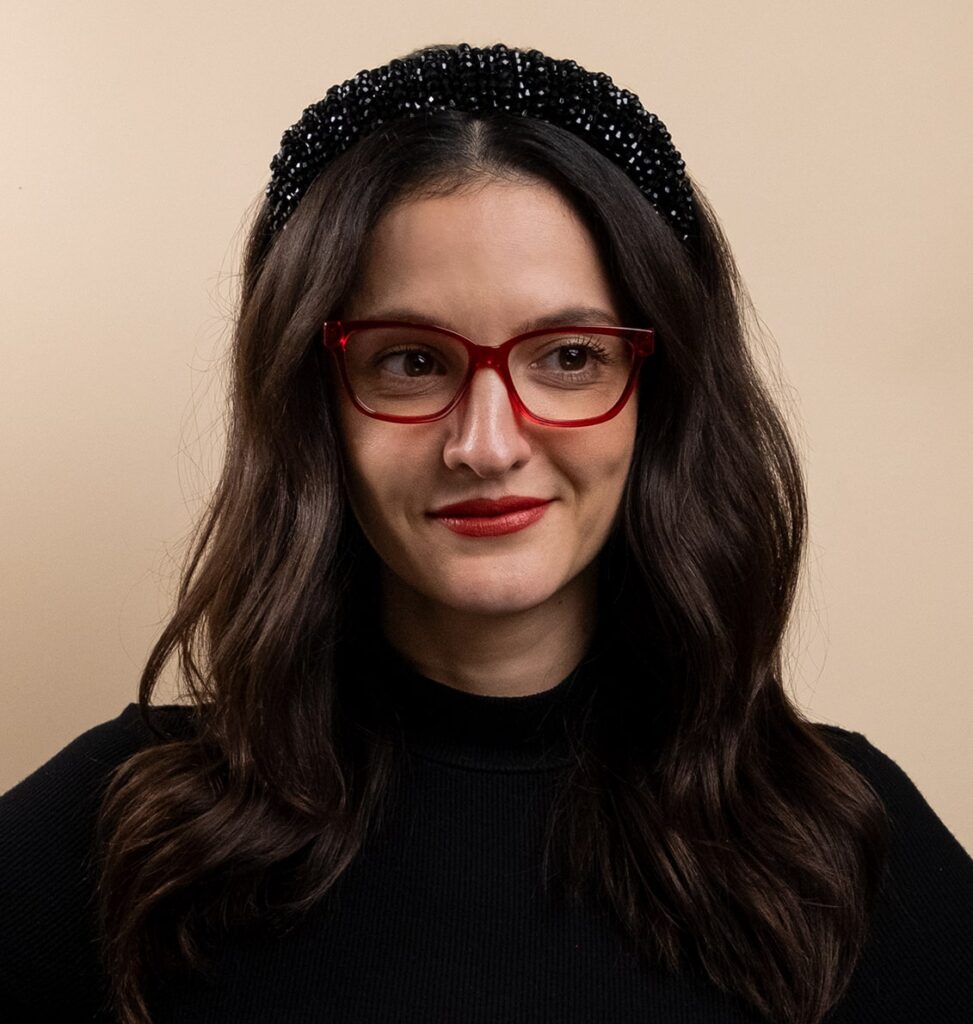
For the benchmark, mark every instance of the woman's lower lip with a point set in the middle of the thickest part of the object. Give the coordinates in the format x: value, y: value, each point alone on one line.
x: 493, y: 526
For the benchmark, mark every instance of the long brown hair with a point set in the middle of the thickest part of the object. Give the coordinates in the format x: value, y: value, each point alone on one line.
x: 716, y: 822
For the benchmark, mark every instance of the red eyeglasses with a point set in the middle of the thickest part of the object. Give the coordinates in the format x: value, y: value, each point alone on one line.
x: 566, y: 376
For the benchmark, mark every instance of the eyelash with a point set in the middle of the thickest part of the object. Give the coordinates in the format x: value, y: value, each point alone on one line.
x: 588, y: 344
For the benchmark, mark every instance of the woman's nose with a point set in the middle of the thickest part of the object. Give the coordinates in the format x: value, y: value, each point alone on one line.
x: 485, y: 433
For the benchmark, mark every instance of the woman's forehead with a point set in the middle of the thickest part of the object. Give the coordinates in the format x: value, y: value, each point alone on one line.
x: 523, y: 243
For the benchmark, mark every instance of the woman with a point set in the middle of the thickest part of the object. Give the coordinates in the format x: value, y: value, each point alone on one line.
x: 481, y: 637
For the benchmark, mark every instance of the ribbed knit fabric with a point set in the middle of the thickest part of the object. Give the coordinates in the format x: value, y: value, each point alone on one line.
x: 441, y: 918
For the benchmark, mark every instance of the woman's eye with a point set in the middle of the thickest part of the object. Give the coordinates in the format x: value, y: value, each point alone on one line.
x: 411, y: 364
x: 572, y: 358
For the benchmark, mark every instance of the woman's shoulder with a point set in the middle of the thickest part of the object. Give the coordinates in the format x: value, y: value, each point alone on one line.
x: 889, y: 779
x: 58, y: 799
x: 928, y: 870
x: 869, y: 760
x: 91, y: 756
x: 47, y: 828
x: 910, y: 814
x: 920, y: 948
x: 47, y: 817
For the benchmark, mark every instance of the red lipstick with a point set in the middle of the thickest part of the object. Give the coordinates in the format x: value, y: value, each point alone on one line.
x: 491, y: 517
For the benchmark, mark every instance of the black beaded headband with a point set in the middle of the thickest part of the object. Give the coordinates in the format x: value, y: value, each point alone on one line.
x: 612, y: 120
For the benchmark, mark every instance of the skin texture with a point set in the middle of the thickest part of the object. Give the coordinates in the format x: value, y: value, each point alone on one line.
x: 512, y: 614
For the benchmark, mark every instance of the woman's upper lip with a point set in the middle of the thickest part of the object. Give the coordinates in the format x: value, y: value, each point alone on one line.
x: 489, y: 506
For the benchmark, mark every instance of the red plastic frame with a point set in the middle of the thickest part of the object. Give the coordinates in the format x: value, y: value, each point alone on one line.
x: 642, y: 339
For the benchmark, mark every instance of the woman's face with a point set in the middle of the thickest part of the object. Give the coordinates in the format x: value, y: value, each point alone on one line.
x: 484, y: 262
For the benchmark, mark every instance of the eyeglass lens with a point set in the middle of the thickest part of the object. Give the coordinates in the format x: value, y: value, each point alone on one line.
x: 558, y: 375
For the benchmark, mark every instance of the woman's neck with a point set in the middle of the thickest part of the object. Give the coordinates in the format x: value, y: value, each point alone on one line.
x: 503, y: 654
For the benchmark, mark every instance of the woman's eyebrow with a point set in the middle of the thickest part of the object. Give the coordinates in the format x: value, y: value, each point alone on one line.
x: 587, y: 315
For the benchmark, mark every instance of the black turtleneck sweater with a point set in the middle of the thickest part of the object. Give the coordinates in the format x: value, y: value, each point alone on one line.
x: 440, y: 918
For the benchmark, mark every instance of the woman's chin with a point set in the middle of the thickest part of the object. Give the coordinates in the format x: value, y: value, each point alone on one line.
x: 490, y: 593
x: 491, y: 601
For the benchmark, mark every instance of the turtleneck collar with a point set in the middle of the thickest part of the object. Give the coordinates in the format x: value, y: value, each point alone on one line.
x: 477, y: 731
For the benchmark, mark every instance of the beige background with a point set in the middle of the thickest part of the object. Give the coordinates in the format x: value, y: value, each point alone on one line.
x: 833, y: 139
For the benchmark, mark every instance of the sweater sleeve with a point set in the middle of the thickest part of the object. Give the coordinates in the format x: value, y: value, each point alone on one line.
x: 917, y: 963
x: 48, y: 958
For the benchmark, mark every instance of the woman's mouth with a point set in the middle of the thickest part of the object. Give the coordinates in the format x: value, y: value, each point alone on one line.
x: 487, y: 517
